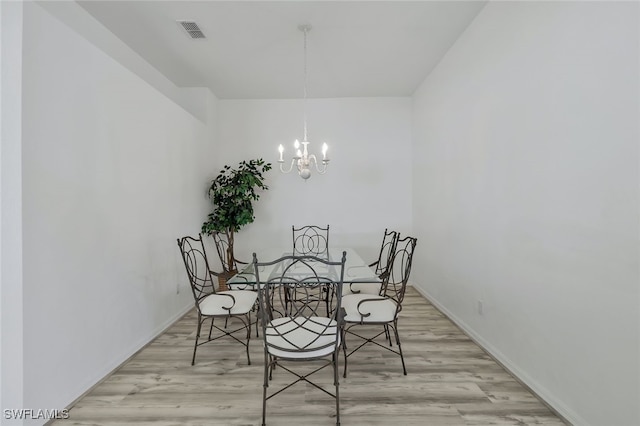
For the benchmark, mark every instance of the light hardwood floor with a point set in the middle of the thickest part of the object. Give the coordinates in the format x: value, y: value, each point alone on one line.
x: 450, y: 381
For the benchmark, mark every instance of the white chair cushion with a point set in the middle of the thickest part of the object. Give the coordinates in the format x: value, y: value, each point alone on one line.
x: 214, y: 304
x: 382, y: 309
x: 291, y: 334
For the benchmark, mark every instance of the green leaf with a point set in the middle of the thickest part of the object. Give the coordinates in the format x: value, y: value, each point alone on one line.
x: 232, y: 193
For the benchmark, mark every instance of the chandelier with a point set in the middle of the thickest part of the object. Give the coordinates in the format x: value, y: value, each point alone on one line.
x: 303, y: 161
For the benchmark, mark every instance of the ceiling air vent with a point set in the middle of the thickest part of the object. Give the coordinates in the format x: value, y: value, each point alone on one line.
x: 192, y: 29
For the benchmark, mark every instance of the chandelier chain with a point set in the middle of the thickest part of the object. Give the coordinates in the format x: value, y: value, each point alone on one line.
x: 304, y: 107
x: 302, y: 160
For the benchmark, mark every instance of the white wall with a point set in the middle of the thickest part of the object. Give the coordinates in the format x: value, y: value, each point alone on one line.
x: 113, y: 172
x: 74, y: 16
x: 366, y: 189
x: 526, y: 198
x: 11, y: 323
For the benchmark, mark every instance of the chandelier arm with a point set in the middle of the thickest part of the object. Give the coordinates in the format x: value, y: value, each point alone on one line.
x: 293, y: 160
x: 321, y: 170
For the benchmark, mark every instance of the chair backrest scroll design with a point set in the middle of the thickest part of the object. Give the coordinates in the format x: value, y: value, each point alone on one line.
x: 310, y: 240
x: 387, y: 251
x: 294, y: 318
x: 197, y: 267
x: 395, y: 284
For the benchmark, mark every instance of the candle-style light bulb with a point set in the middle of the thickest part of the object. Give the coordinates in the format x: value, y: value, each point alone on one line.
x: 299, y: 154
x: 296, y: 144
x: 324, y: 151
x: 281, y: 150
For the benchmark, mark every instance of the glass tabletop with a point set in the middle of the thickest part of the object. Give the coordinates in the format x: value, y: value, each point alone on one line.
x: 356, y: 270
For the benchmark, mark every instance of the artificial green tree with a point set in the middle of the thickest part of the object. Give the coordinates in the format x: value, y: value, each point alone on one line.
x: 232, y: 193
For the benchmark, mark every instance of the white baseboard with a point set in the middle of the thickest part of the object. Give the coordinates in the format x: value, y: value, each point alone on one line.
x: 560, y: 409
x: 104, y: 374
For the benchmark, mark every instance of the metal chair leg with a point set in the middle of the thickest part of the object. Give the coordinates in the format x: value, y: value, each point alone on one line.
x: 264, y: 392
x: 257, y: 309
x: 248, y: 336
x: 344, y: 349
x: 387, y: 334
x: 195, y: 346
x: 395, y: 330
x: 211, y: 327
x: 337, y: 384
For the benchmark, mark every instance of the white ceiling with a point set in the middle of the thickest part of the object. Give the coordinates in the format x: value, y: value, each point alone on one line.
x: 253, y: 49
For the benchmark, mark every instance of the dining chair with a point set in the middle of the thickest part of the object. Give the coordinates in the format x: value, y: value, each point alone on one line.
x: 301, y: 330
x: 381, y: 264
x: 381, y: 310
x: 211, y: 304
x: 224, y: 253
x: 310, y: 240
x: 387, y: 250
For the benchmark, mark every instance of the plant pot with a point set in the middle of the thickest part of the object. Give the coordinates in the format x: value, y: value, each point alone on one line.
x: 223, y: 278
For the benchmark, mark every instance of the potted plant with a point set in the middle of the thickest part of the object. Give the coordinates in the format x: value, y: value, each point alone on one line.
x: 233, y: 192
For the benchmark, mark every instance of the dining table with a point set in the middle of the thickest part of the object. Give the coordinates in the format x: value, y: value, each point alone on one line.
x: 356, y: 271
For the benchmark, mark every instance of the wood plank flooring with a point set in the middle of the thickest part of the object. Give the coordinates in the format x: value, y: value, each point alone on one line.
x: 450, y: 381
